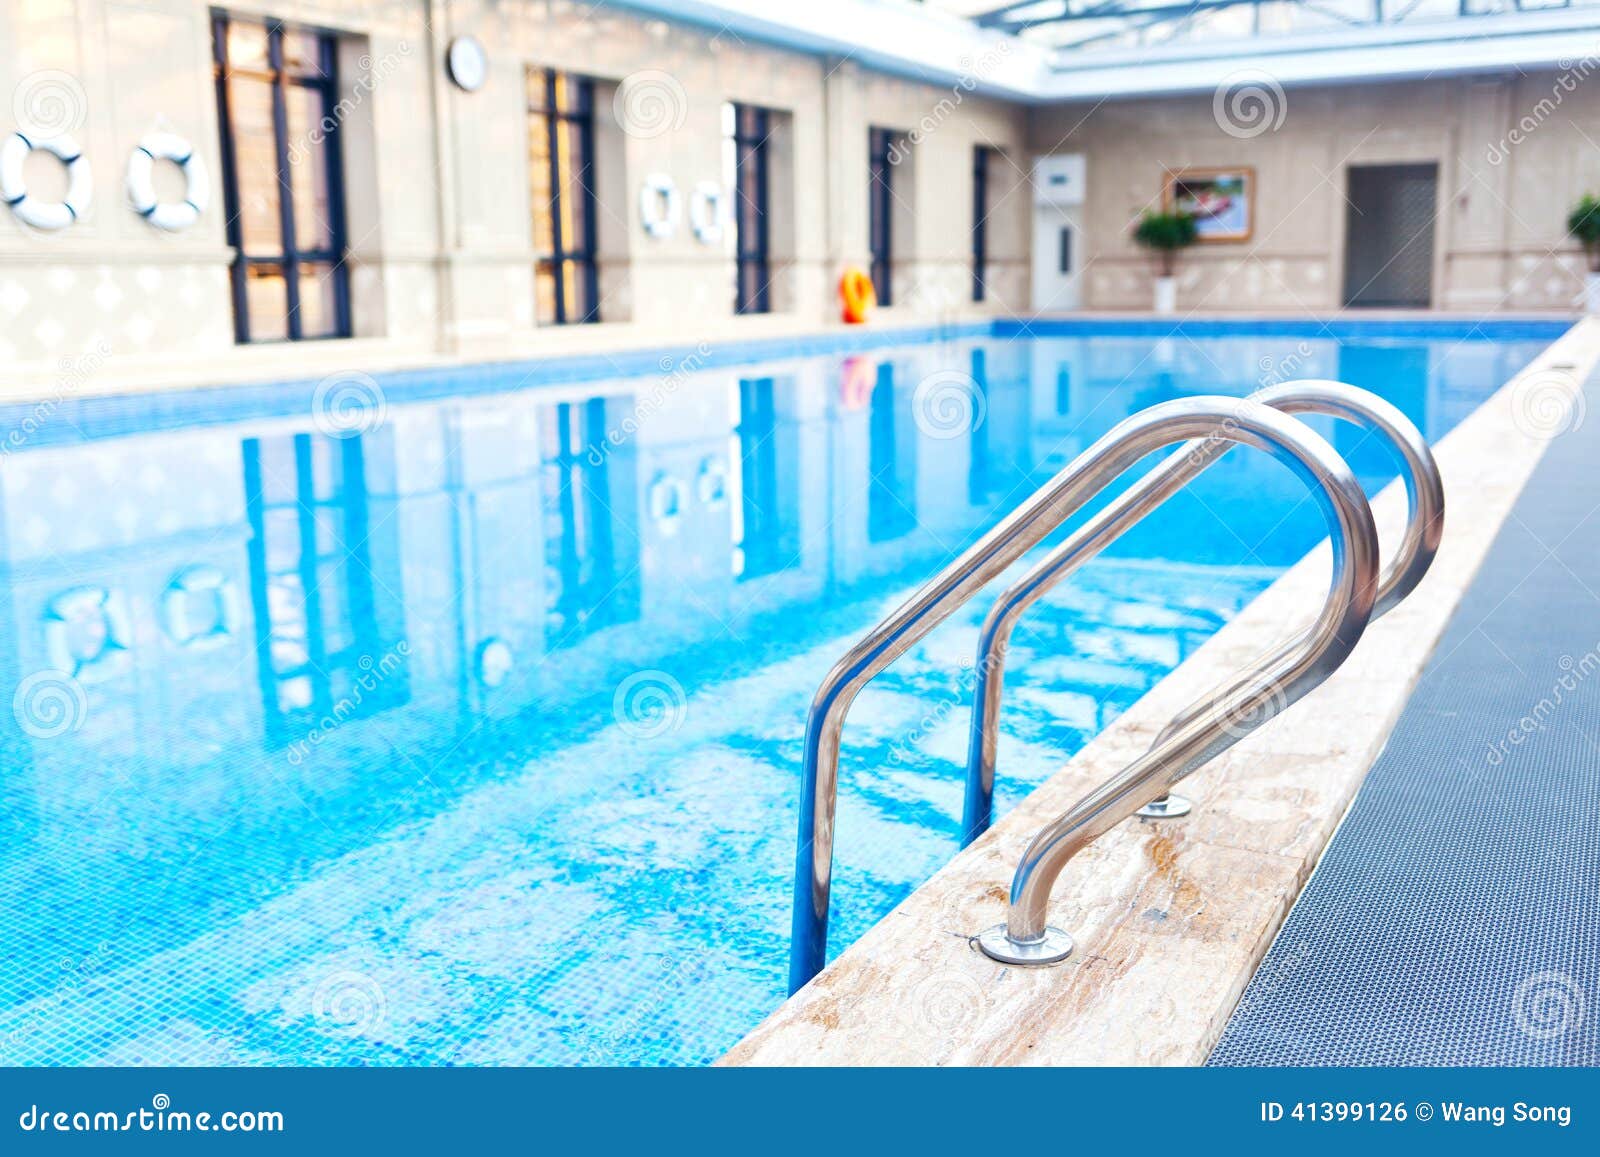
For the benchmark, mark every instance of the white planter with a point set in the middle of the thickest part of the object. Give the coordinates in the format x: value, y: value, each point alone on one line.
x: 1166, y: 294
x: 1591, y: 293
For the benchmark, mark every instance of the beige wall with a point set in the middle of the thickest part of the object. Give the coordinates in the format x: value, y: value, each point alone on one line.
x: 1509, y: 170
x: 438, y: 204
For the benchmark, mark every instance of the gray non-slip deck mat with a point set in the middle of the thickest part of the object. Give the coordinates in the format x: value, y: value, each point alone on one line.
x: 1455, y: 916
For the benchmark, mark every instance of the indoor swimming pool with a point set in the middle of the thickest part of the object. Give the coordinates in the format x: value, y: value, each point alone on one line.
x: 453, y: 717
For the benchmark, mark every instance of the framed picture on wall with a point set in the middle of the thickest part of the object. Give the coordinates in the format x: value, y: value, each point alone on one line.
x: 1221, y: 201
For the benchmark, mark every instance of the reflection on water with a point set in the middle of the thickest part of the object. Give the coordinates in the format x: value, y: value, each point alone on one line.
x: 307, y: 724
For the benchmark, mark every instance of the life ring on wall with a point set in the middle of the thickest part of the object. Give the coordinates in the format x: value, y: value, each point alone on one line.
x: 190, y: 585
x: 660, y: 206
x: 170, y: 215
x: 705, y: 212
x: 496, y: 661
x: 857, y: 294
x: 87, y: 634
x: 858, y: 377
x: 711, y: 484
x: 665, y: 500
x: 14, y: 187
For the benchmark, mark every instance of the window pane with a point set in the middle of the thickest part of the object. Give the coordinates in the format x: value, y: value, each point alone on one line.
x: 318, y: 317
x: 749, y: 207
x: 571, y: 172
x: 575, y: 281
x: 752, y: 286
x: 308, y: 168
x: 267, y: 301
x: 247, y: 45
x: 560, y: 200
x: 571, y: 93
x: 539, y: 183
x: 544, y: 289
x: 256, y: 163
x: 300, y: 53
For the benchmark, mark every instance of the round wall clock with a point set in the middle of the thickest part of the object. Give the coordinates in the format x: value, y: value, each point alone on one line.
x: 467, y: 63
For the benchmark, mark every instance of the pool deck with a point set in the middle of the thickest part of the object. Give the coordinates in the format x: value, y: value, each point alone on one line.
x: 1468, y: 869
x: 1171, y: 920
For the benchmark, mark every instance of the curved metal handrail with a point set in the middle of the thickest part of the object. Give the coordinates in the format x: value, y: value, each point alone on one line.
x: 1278, y: 680
x: 1229, y: 420
x: 1412, y: 557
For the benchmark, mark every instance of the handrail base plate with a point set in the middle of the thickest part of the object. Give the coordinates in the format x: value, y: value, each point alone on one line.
x: 1054, y: 947
x: 1168, y: 807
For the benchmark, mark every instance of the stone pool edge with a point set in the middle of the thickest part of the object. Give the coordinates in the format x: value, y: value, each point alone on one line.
x: 1172, y: 920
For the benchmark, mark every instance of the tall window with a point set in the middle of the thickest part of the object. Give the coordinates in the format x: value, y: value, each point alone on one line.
x: 592, y: 548
x: 981, y: 473
x: 766, y: 526
x: 561, y: 179
x: 747, y: 130
x: 312, y: 582
x: 276, y: 94
x: 892, y: 460
x: 880, y: 204
x: 980, y: 220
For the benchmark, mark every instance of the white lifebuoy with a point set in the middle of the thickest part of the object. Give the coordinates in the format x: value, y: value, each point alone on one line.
x: 169, y: 215
x: 705, y: 212
x: 711, y: 484
x: 665, y: 499
x: 183, y: 597
x: 660, y: 206
x: 87, y: 634
x: 14, y: 187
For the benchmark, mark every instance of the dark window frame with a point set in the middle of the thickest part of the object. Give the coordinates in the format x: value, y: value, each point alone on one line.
x: 980, y: 220
x: 579, y: 113
x: 880, y: 210
x: 767, y: 538
x: 332, y: 577
x: 891, y: 461
x: 290, y: 256
x: 583, y: 520
x: 752, y: 221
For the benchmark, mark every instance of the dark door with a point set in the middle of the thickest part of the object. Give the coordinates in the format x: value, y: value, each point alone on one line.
x: 1388, y: 246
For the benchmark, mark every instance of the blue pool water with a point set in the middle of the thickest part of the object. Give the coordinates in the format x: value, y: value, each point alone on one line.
x: 465, y: 728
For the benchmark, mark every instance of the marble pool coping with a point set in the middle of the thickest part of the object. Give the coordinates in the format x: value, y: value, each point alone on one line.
x: 1171, y: 919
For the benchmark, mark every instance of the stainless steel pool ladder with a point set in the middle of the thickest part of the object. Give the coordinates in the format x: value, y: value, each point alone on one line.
x: 1216, y: 422
x: 1412, y: 557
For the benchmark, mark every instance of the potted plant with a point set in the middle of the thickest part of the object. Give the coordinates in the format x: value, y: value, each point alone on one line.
x: 1584, y: 224
x: 1164, y: 234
